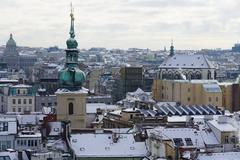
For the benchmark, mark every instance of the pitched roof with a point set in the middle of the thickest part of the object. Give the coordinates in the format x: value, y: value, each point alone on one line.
x: 187, y: 61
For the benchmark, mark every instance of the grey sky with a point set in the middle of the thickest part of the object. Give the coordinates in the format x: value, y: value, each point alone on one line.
x: 193, y: 24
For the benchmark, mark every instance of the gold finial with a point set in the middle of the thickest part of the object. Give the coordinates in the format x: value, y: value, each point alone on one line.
x: 71, y: 10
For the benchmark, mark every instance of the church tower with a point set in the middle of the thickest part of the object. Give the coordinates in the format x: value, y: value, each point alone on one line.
x: 71, y: 96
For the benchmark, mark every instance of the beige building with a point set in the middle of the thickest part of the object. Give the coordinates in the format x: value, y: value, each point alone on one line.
x: 193, y: 92
x: 21, y: 98
x: 71, y: 106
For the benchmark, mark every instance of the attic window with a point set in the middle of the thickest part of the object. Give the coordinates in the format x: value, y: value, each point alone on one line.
x: 82, y: 149
x: 198, y: 57
x: 188, y: 141
x: 164, y: 64
x: 202, y: 64
x: 184, y: 64
x: 192, y: 64
x: 174, y: 58
x: 178, y: 141
x: 74, y: 140
x: 169, y: 64
x: 177, y: 64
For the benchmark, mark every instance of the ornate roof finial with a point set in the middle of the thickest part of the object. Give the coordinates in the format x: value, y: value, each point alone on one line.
x: 72, y: 34
x: 172, y: 48
x: 71, y: 42
x: 11, y: 35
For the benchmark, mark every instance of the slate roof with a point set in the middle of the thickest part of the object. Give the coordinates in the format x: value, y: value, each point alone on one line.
x: 186, y: 61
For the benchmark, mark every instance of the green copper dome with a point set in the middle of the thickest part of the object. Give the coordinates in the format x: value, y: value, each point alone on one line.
x: 71, y: 43
x: 71, y: 77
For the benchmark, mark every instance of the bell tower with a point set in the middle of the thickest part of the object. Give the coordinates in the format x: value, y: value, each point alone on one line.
x: 71, y: 96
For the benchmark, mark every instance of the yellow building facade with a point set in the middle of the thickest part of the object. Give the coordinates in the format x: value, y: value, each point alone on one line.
x: 193, y: 92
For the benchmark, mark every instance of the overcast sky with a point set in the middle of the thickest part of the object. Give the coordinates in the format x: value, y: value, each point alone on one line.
x: 193, y: 24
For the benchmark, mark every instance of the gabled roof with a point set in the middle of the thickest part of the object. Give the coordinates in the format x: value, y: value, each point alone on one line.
x: 187, y: 61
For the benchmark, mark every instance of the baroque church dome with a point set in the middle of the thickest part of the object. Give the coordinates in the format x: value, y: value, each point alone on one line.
x: 11, y: 42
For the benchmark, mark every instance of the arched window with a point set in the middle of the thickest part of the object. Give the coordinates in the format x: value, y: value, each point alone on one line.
x: 209, y: 76
x: 197, y: 75
x: 70, y: 108
x: 164, y: 75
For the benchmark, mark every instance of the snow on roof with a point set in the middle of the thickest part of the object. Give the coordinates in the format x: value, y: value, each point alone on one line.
x: 184, y: 134
x: 219, y: 156
x: 34, y: 135
x: 92, y: 107
x: 22, y: 86
x: 212, y: 88
x: 224, y: 127
x: 8, y: 80
x: 29, y: 119
x: 83, y: 90
x: 104, y: 145
x: 116, y: 112
x: 11, y: 155
x: 186, y: 61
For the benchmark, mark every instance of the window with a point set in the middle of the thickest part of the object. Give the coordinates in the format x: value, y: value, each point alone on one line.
x: 216, y: 99
x: 178, y: 141
x: 18, y: 91
x: 226, y: 139
x: 14, y: 101
x: 3, y: 126
x: 131, y: 116
x: 14, y: 109
x: 189, y: 99
x: 189, y: 90
x: 19, y: 109
x: 188, y: 141
x: 30, y: 101
x: 19, y: 101
x: 209, y: 99
x: 24, y: 101
x: 70, y: 108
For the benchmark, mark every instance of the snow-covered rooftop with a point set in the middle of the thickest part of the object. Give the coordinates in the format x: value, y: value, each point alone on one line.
x: 224, y: 127
x: 92, y: 107
x: 102, y: 145
x: 219, y: 156
x: 187, y: 61
x: 83, y: 90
